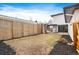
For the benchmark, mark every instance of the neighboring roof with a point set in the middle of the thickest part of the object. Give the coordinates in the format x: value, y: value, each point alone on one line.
x: 57, y: 24
x: 57, y: 14
x: 52, y: 24
x: 70, y: 10
x: 4, y: 17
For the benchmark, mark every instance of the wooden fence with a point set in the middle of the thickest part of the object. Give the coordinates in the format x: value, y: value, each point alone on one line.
x: 76, y: 35
x: 15, y: 29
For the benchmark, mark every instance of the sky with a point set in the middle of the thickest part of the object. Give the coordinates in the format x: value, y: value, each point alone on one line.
x: 32, y: 11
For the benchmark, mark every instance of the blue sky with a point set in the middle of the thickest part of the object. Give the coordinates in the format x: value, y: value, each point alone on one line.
x: 37, y: 11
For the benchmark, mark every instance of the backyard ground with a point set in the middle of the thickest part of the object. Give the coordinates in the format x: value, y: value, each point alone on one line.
x: 42, y: 44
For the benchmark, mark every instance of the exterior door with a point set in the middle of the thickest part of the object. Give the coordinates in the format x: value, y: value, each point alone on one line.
x: 55, y: 28
x: 63, y: 28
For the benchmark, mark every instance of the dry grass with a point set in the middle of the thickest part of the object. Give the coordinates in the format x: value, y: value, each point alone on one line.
x: 34, y: 45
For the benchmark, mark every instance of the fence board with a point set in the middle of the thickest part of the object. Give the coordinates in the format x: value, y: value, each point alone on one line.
x: 35, y: 29
x: 25, y: 29
x: 31, y: 29
x: 5, y: 30
x: 17, y: 29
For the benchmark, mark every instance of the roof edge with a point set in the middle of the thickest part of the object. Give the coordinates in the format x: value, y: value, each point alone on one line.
x: 56, y: 14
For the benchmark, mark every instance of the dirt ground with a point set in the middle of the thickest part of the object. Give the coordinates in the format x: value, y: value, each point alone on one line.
x: 33, y: 45
x: 43, y: 44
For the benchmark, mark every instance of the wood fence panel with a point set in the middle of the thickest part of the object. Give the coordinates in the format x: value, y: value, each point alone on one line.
x: 31, y: 29
x: 17, y: 29
x: 5, y: 29
x: 35, y: 29
x: 75, y: 34
x: 38, y: 28
x: 25, y: 29
x: 1, y: 30
x: 41, y: 28
x: 14, y: 29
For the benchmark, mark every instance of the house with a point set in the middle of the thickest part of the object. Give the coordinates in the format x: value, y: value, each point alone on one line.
x: 67, y: 22
x: 63, y: 22
x: 57, y: 23
x: 72, y: 18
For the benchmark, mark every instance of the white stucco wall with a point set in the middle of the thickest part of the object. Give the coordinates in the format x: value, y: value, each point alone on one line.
x: 75, y: 18
x: 70, y: 31
x: 58, y: 19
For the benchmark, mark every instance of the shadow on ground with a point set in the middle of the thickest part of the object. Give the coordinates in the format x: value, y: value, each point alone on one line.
x: 6, y: 49
x: 67, y: 37
x: 63, y: 48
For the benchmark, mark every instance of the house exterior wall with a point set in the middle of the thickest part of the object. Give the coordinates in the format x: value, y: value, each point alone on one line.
x: 70, y: 31
x: 75, y: 18
x: 58, y: 19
